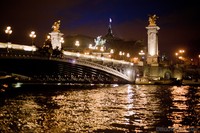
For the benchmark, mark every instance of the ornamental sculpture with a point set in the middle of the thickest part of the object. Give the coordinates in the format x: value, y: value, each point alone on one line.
x: 152, y: 20
x: 99, y: 41
x: 56, y: 26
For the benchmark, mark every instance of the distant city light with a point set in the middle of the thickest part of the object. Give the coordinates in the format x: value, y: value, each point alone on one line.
x: 110, y: 20
x: 127, y: 55
x: 102, y: 49
x: 111, y: 51
x: 120, y: 53
x: 141, y: 52
x: 77, y: 43
x: 181, y: 51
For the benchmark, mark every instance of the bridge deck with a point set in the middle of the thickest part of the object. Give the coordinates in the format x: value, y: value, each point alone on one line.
x: 80, y: 66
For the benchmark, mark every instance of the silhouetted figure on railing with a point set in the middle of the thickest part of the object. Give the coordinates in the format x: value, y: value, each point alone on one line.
x: 46, y: 49
x: 56, y: 52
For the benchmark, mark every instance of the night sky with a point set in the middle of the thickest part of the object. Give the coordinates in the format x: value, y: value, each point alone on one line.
x: 179, y: 20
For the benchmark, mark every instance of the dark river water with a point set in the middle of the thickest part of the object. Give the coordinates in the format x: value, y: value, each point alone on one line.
x: 107, y: 109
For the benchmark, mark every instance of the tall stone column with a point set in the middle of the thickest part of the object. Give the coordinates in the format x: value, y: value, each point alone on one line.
x: 152, y: 32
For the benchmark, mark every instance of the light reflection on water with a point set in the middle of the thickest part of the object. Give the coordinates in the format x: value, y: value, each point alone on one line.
x: 127, y: 108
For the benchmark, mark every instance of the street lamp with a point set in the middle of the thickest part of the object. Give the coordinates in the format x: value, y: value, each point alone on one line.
x: 48, y: 37
x: 111, y: 51
x: 62, y: 40
x: 32, y: 35
x: 8, y: 31
x: 120, y: 54
x: 181, y: 51
x: 90, y: 46
x: 199, y: 59
x: 128, y: 56
x: 142, y: 54
x: 101, y: 48
x: 179, y: 55
x: 77, y: 44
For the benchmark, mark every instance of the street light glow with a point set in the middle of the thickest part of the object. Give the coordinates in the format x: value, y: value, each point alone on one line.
x: 77, y: 43
x: 62, y: 40
x: 127, y: 55
x: 141, y: 52
x: 8, y: 30
x: 111, y: 51
x: 181, y: 51
x: 32, y: 35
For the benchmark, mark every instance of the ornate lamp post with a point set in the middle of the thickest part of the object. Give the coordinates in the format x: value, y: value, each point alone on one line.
x: 128, y: 56
x: 142, y: 54
x: 111, y: 53
x: 179, y: 56
x: 77, y: 44
x: 120, y: 54
x: 32, y: 36
x: 8, y: 31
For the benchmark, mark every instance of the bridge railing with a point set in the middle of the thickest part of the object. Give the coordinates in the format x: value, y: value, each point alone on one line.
x: 68, y: 56
x: 97, y: 66
x: 18, y: 46
x: 72, y: 54
x: 96, y: 58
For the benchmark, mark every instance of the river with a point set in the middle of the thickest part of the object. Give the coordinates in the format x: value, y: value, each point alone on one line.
x: 108, y: 109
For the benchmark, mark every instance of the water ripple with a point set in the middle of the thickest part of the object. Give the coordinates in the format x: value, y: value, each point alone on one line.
x: 127, y: 108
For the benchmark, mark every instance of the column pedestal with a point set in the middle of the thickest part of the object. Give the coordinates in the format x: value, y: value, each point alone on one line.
x: 56, y: 39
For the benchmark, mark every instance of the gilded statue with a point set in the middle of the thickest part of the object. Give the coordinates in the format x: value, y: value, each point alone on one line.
x: 152, y: 20
x: 56, y: 26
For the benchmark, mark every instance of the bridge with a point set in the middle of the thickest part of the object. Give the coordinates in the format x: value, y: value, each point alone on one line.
x: 29, y: 65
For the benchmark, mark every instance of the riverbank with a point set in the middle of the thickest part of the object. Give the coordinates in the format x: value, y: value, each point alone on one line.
x: 145, y: 81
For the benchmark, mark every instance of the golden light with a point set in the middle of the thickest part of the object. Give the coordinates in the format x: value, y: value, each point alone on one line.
x: 111, y: 51
x: 127, y: 55
x: 86, y: 53
x: 48, y: 36
x: 181, y: 51
x: 62, y: 40
x: 180, y: 57
x: 120, y: 53
x: 135, y: 59
x: 90, y: 46
x: 32, y: 35
x: 8, y: 30
x: 77, y: 43
x: 141, y: 52
x: 102, y: 49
